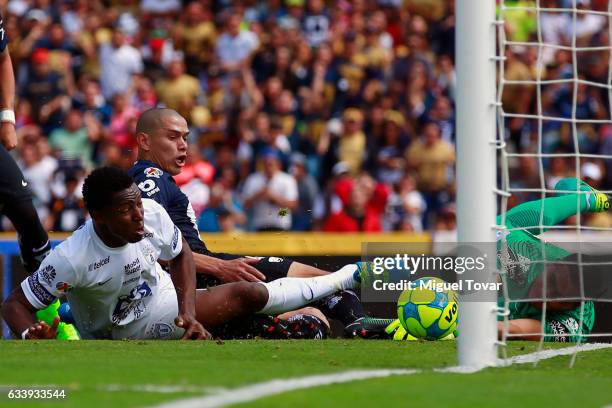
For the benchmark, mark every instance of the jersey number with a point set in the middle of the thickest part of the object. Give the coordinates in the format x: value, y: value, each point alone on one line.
x: 146, y: 186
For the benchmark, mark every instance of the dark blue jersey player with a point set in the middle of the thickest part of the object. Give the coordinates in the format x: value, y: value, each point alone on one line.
x: 162, y: 149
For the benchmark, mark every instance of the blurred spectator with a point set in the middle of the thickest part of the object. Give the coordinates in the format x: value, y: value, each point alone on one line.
x: 44, y: 90
x: 270, y: 194
x: 67, y: 210
x: 223, y: 212
x: 195, y: 35
x: 178, y: 90
x: 235, y: 45
x: 433, y: 159
x: 38, y: 167
x: 119, y: 61
x: 350, y: 145
x: 364, y: 210
x: 308, y: 190
x: 74, y: 139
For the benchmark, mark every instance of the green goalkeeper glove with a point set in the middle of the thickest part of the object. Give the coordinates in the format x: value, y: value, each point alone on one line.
x: 65, y: 331
x: 400, y: 333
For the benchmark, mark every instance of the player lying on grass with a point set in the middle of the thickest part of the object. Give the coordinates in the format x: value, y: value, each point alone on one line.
x: 525, y: 276
x: 109, y: 273
x: 162, y: 150
x: 524, y: 267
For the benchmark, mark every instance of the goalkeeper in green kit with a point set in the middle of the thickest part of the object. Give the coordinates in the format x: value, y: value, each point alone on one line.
x: 523, y: 259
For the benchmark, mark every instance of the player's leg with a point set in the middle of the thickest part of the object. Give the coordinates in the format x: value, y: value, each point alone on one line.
x: 344, y: 306
x: 222, y: 303
x: 16, y: 201
x: 554, y: 210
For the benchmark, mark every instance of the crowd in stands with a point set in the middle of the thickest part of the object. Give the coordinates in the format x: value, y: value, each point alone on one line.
x: 304, y: 114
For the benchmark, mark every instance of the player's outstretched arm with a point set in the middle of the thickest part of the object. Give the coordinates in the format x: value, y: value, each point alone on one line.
x: 522, y: 329
x: 182, y: 270
x: 234, y: 270
x: 18, y: 313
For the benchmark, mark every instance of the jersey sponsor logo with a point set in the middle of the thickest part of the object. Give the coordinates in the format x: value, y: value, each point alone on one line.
x: 39, y: 290
x: 153, y: 172
x: 273, y: 259
x: 132, y: 267
x: 98, y: 264
x: 571, y: 324
x: 175, y: 238
x: 149, y: 253
x: 63, y: 287
x: 559, y: 330
x: 148, y: 235
x: 131, y: 304
x: 47, y: 274
x: 160, y: 330
x: 148, y: 187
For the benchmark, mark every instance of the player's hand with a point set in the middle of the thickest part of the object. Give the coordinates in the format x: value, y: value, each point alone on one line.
x: 42, y: 331
x: 241, y: 269
x: 8, y: 135
x: 193, y: 329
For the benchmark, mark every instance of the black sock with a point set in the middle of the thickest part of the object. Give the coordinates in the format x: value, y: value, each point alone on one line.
x: 344, y: 306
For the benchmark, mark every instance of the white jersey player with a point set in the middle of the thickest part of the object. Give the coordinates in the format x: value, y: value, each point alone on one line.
x: 108, y: 271
x: 112, y: 291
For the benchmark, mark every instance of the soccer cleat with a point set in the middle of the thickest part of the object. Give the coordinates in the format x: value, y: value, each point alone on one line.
x: 365, y: 274
x: 596, y: 200
x: 368, y: 328
x: 304, y: 326
x: 273, y: 328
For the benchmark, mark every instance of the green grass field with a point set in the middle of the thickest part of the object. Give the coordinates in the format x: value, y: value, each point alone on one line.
x: 116, y: 374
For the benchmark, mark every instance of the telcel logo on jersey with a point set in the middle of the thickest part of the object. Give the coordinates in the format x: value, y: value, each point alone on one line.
x: 98, y: 264
x: 153, y: 172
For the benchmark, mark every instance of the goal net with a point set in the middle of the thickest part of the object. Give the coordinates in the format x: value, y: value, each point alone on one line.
x: 553, y: 147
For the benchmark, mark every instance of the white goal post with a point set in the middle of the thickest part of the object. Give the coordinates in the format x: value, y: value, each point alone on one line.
x: 476, y: 165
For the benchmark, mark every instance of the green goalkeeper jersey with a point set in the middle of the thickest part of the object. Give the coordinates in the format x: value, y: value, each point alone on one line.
x: 524, y: 256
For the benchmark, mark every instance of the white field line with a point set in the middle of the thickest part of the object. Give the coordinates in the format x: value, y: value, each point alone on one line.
x: 273, y: 387
x: 259, y: 390
x: 529, y: 358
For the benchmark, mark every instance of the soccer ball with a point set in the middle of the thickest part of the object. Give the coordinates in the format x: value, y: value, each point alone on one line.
x: 426, y: 313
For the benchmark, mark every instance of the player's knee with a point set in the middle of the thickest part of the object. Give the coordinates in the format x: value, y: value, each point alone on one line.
x: 253, y: 296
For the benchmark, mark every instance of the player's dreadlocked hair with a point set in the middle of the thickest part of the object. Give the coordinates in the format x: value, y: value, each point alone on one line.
x: 101, y: 184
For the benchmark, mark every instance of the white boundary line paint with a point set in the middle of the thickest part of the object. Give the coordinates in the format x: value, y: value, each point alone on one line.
x: 273, y: 387
x: 531, y: 357
x: 162, y: 389
x: 265, y: 389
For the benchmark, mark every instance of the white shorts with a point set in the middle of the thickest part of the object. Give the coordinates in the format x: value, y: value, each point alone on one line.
x: 159, y: 324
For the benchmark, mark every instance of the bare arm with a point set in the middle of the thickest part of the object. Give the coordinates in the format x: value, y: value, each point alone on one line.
x: 8, y: 135
x: 182, y: 271
x: 524, y: 329
x: 235, y: 270
x: 17, y: 311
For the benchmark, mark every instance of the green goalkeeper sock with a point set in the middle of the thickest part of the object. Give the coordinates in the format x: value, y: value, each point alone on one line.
x: 65, y: 331
x: 556, y: 209
x: 597, y: 202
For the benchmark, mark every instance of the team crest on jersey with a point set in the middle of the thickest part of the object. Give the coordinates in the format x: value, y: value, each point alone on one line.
x: 149, y: 253
x: 153, y: 172
x: 63, y: 287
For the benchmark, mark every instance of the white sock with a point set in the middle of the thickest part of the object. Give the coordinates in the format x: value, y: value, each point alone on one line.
x: 292, y: 293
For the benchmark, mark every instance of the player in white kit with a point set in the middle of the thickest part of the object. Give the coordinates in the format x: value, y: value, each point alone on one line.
x: 109, y: 273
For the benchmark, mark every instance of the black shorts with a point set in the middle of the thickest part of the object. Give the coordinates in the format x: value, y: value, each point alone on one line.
x: 272, y: 267
x: 13, y: 187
